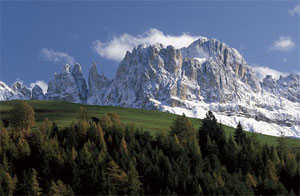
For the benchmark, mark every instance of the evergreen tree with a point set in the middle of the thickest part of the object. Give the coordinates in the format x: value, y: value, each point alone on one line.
x: 83, y: 114
x: 117, y: 177
x: 231, y: 155
x: 46, y: 127
x: 105, y: 122
x: 58, y: 189
x: 275, y: 157
x: 270, y: 171
x: 134, y: 184
x: 211, y: 130
x: 123, y: 146
x: 7, y: 183
x: 282, y: 149
x: 23, y: 116
x: 183, y: 128
x: 239, y: 135
x: 250, y: 181
x: 115, y: 119
x: 33, y: 187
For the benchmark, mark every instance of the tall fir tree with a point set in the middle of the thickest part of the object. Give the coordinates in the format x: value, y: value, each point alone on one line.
x: 239, y: 135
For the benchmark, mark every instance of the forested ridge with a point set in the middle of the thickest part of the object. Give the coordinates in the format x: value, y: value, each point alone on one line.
x: 105, y: 157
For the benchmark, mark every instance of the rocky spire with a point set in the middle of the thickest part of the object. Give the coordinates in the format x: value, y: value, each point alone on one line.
x: 63, y: 87
x: 81, y: 84
x: 98, y: 85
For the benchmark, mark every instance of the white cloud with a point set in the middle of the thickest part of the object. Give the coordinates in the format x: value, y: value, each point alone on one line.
x: 261, y: 72
x: 284, y: 43
x: 56, y: 57
x: 40, y: 83
x: 115, y: 49
x: 295, y: 10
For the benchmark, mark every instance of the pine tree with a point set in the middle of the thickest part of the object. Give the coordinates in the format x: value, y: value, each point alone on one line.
x: 274, y: 156
x: 270, y: 171
x: 23, y: 116
x: 46, y: 127
x: 58, y: 189
x: 4, y: 140
x: 183, y: 128
x: 115, y: 119
x: 199, y: 190
x: 33, y: 184
x: 123, y: 146
x: 54, y: 190
x: 282, y: 147
x: 218, y: 180
x: 134, y: 184
x: 176, y: 141
x: 231, y: 154
x: 239, y: 135
x: 117, y: 177
x: 23, y: 147
x: 106, y: 122
x: 210, y: 129
x: 83, y: 114
x: 250, y: 181
x: 8, y: 184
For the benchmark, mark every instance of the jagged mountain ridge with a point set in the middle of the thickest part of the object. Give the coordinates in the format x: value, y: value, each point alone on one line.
x: 207, y: 75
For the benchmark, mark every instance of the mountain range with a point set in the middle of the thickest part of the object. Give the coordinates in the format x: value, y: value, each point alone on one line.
x: 206, y: 75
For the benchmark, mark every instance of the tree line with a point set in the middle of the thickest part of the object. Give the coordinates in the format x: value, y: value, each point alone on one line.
x: 110, y: 158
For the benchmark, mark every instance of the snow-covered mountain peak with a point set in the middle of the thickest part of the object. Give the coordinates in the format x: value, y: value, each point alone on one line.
x: 5, y: 91
x: 20, y: 91
x: 66, y: 68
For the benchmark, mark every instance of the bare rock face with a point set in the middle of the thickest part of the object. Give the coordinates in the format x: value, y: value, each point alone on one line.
x: 98, y: 86
x: 165, y: 74
x: 80, y: 81
x: 64, y: 87
x: 37, y: 93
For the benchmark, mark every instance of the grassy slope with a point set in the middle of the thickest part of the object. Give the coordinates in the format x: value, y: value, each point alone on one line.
x: 63, y: 113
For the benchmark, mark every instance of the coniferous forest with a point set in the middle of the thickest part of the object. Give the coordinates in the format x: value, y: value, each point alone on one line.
x: 105, y: 157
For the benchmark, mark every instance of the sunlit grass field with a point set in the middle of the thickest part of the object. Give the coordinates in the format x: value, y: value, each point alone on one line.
x: 63, y: 113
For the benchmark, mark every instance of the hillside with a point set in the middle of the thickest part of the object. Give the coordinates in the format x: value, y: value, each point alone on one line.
x: 63, y: 113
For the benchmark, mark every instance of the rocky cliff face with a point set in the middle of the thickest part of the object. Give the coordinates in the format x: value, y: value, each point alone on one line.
x: 98, y: 86
x: 37, y: 93
x: 174, y: 77
x: 287, y: 87
x: 80, y: 81
x: 64, y: 87
x: 206, y: 75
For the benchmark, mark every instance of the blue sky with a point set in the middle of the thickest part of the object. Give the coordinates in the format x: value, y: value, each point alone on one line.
x: 37, y: 38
